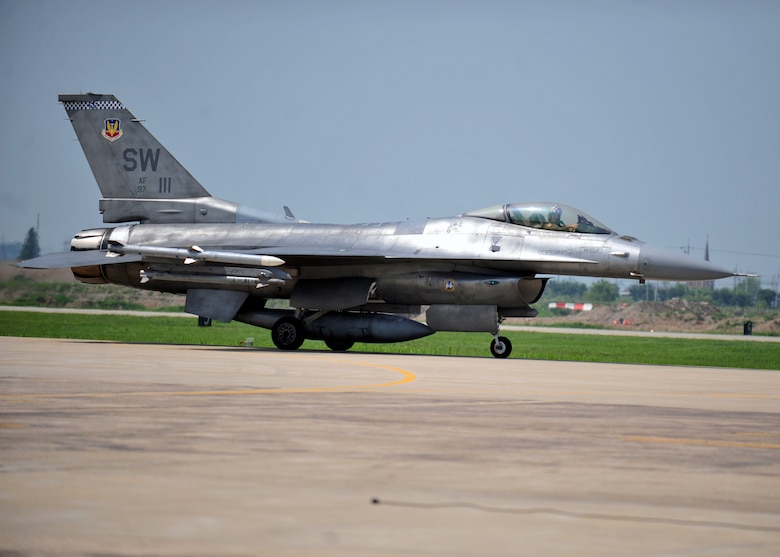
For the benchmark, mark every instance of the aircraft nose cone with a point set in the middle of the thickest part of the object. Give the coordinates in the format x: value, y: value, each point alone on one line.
x: 665, y: 264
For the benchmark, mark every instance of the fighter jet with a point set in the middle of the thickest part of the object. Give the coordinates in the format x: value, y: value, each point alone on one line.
x: 345, y: 283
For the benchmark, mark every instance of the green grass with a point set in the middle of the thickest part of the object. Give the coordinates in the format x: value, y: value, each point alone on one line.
x: 23, y: 291
x: 528, y: 345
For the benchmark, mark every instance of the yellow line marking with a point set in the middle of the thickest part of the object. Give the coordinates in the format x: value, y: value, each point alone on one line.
x: 11, y: 425
x: 702, y: 442
x: 408, y: 377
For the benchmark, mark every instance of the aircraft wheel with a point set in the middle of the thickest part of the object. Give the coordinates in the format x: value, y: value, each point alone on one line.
x: 501, y: 347
x: 288, y: 333
x: 338, y: 345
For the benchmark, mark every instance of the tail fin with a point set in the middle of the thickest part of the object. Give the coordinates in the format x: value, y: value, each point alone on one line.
x: 138, y: 178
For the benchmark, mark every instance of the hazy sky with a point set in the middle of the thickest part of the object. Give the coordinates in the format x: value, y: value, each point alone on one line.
x: 659, y: 118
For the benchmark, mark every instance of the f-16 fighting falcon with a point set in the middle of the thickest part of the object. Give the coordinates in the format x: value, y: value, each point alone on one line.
x: 345, y: 283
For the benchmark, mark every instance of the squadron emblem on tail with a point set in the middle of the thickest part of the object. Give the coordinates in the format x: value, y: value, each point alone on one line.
x: 112, y: 129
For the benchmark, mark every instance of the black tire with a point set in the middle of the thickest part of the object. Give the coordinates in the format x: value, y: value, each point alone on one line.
x: 339, y: 345
x: 501, y: 347
x: 288, y: 333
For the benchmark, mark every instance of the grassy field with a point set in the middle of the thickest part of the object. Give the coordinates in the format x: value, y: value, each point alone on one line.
x: 527, y: 345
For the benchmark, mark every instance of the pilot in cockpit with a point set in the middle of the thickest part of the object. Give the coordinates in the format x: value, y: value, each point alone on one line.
x: 554, y: 221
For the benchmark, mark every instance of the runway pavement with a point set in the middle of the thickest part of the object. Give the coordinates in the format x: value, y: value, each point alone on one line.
x: 127, y: 449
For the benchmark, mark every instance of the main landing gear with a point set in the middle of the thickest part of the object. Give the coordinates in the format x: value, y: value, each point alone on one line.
x: 289, y: 333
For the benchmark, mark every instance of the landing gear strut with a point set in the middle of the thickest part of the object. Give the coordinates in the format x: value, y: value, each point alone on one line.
x: 500, y: 347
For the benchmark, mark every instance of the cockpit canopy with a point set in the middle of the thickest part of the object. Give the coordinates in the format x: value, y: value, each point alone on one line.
x: 546, y: 216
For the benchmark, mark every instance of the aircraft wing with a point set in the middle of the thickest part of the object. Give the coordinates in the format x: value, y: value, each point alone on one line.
x: 335, y: 256
x: 270, y: 257
x: 65, y: 259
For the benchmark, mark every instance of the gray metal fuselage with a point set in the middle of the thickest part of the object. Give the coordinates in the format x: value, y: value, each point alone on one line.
x: 388, y: 252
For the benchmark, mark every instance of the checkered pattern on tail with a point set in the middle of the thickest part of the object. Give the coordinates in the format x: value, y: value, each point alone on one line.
x: 93, y: 105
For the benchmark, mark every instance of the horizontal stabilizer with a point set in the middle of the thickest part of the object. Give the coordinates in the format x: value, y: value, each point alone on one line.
x: 65, y: 259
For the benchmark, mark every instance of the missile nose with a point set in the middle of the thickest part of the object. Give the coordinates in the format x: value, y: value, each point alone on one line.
x: 664, y: 264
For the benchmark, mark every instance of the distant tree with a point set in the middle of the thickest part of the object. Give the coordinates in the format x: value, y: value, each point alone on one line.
x: 729, y: 297
x: 766, y: 297
x: 30, y: 248
x: 602, y: 291
x: 752, y: 288
x: 700, y: 294
x: 640, y: 292
x: 746, y: 293
x: 677, y: 290
x: 565, y: 290
x: 723, y: 296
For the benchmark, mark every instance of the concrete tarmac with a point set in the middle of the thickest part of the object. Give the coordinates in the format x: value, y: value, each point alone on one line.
x: 128, y: 449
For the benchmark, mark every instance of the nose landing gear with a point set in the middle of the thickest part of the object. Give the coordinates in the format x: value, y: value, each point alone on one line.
x: 500, y: 347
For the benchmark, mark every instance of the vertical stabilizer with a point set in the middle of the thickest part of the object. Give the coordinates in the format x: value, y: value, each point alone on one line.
x: 138, y: 178
x: 127, y: 160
